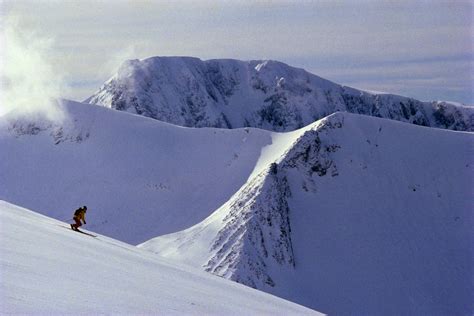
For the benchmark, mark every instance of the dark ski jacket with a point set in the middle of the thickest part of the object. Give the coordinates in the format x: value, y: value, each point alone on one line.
x: 80, y: 214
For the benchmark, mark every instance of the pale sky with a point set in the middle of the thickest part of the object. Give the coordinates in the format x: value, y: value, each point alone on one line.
x: 421, y: 49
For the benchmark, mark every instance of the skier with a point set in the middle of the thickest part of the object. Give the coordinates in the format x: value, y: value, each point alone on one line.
x: 79, y: 214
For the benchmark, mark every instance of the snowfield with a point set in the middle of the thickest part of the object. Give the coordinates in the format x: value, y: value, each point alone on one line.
x: 350, y: 214
x: 46, y: 269
x: 140, y: 178
x: 359, y: 215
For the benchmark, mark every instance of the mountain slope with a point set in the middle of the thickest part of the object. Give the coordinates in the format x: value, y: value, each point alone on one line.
x: 359, y: 215
x: 46, y: 269
x: 140, y: 178
x: 268, y: 94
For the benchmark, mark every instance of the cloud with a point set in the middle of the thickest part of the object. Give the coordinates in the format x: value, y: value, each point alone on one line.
x: 30, y: 84
x: 117, y: 57
x: 94, y: 38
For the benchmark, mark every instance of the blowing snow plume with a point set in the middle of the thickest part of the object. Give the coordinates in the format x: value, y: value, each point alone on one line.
x: 29, y: 84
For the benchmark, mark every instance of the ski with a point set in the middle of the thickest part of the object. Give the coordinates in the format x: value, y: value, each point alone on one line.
x: 79, y: 231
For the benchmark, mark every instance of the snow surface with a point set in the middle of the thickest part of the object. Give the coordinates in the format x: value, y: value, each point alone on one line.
x: 357, y: 215
x: 47, y: 269
x: 139, y: 177
x: 360, y: 215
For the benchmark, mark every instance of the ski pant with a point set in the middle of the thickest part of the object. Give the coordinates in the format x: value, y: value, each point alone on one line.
x: 78, y: 222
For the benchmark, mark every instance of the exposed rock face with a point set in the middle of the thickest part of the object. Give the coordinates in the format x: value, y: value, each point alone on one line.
x: 59, y: 132
x: 265, y: 94
x: 256, y: 232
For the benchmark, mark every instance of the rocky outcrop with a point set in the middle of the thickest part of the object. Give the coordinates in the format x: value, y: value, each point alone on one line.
x: 264, y: 94
x: 256, y: 231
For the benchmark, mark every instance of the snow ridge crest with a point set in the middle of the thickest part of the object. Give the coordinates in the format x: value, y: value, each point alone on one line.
x: 256, y: 233
x: 255, y: 238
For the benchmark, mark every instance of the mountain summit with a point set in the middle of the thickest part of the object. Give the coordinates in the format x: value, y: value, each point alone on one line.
x: 266, y: 94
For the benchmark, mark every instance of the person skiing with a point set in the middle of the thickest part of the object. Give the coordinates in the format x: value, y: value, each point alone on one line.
x: 79, y: 214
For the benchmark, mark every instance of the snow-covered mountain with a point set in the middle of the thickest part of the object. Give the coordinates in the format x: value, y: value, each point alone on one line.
x: 267, y: 94
x: 354, y: 215
x: 140, y: 178
x: 48, y: 270
x: 350, y: 214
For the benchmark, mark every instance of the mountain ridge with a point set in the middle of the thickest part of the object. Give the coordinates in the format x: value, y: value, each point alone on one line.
x: 176, y: 176
x: 365, y: 202
x: 352, y: 204
x: 229, y: 93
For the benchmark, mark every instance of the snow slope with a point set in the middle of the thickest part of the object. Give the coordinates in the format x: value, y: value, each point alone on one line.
x: 266, y: 94
x: 46, y: 269
x: 360, y: 215
x: 139, y: 177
